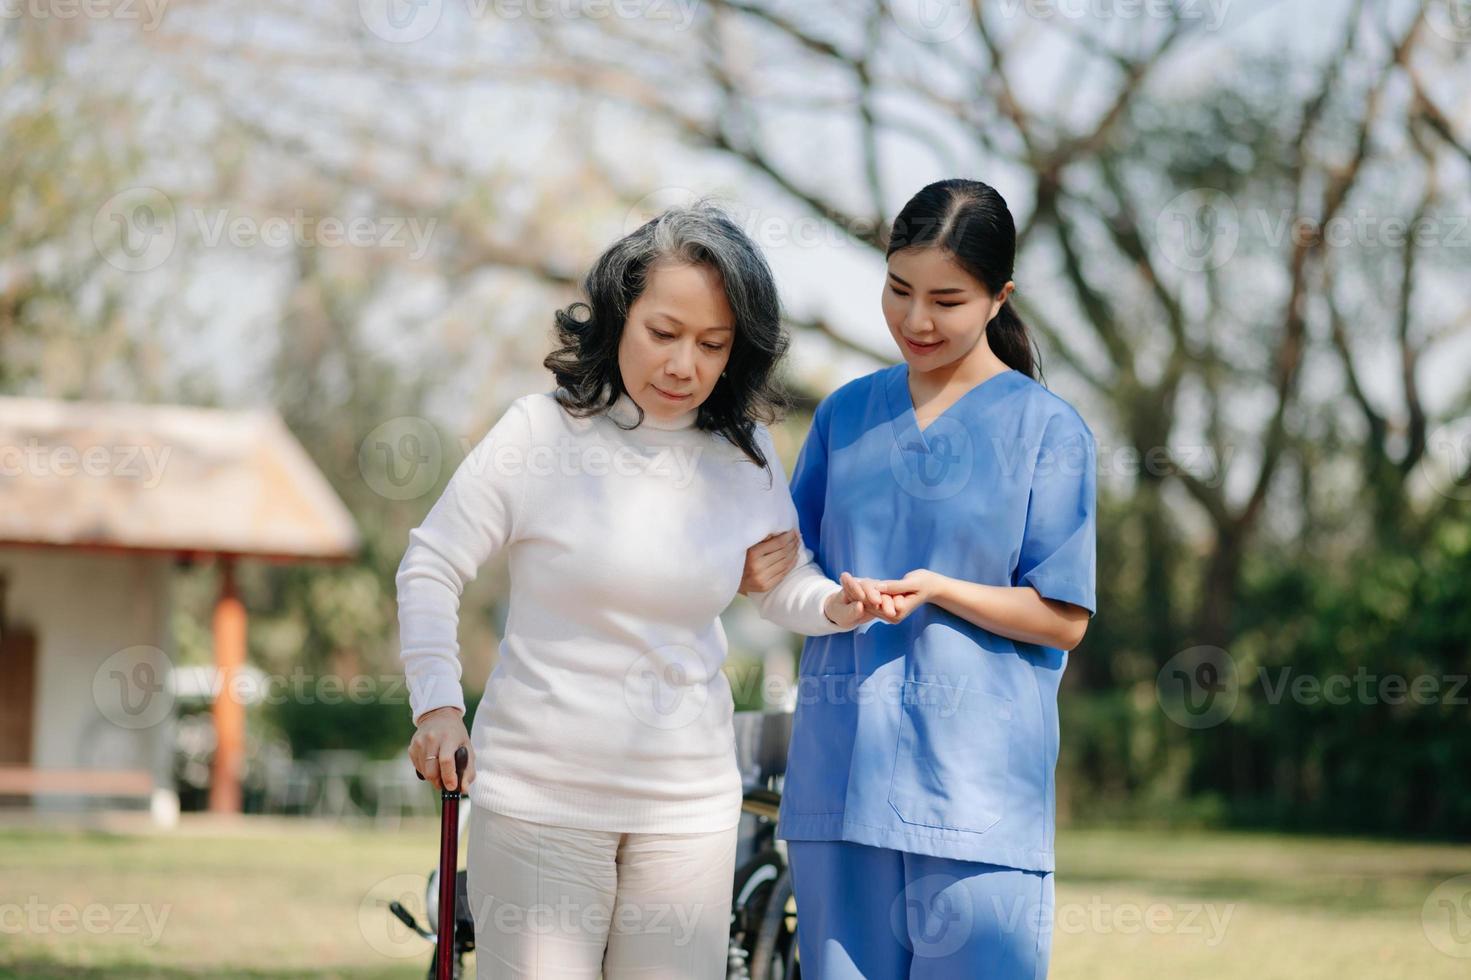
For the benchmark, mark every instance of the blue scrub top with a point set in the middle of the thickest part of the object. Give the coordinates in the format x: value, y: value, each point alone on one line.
x: 933, y: 735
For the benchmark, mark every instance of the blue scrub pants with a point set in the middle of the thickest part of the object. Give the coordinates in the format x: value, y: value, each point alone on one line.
x: 872, y: 913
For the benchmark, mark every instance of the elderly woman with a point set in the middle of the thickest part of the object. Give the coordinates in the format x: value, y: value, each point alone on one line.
x: 603, y: 766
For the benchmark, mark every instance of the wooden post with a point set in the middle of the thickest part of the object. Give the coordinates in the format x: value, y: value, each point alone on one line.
x: 229, y: 712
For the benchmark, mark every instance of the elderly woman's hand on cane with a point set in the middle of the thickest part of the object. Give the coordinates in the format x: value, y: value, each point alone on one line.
x: 432, y: 749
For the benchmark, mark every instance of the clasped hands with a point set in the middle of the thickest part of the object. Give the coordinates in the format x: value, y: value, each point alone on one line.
x: 862, y: 599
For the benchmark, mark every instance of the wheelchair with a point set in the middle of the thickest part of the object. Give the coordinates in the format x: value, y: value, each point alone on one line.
x: 763, y: 921
x: 763, y: 927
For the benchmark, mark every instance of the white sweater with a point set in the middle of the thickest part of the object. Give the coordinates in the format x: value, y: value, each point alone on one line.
x: 607, y: 709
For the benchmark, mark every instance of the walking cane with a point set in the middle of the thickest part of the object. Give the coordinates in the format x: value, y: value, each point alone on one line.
x: 449, y: 865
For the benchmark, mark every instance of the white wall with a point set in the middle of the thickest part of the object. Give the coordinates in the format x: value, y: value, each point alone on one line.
x: 85, y: 609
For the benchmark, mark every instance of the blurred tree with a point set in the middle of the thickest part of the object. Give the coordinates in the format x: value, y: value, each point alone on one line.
x: 1209, y: 259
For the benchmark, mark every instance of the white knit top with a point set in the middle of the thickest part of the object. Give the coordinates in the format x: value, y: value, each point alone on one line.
x: 607, y: 709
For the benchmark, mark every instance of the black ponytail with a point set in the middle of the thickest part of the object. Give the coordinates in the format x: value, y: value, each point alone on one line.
x: 970, y: 221
x: 1011, y: 341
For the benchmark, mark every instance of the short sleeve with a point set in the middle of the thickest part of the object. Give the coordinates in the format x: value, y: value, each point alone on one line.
x: 1059, y: 542
x: 478, y: 514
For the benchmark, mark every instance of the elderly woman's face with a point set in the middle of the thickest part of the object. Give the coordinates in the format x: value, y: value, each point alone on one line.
x: 677, y: 339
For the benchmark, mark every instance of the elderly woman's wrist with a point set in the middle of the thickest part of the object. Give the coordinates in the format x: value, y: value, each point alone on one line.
x: 442, y: 710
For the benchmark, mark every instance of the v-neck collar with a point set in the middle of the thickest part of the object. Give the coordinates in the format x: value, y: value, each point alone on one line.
x: 901, y: 405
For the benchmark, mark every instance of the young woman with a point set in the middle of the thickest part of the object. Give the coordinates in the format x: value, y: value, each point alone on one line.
x: 603, y: 767
x: 918, y: 806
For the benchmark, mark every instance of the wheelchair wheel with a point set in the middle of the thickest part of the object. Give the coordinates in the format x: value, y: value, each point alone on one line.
x: 774, y: 952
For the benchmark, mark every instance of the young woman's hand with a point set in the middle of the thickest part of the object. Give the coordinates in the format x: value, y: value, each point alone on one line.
x: 768, y: 561
x: 900, y: 597
x: 851, y: 607
x: 432, y: 749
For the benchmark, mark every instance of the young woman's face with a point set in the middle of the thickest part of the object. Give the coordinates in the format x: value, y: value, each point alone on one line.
x: 936, y: 310
x: 676, y: 340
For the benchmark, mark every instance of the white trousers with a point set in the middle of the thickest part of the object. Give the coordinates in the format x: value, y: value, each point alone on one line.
x: 557, y: 903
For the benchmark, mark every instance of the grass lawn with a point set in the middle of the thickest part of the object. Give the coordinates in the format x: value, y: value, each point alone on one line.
x: 277, y: 899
